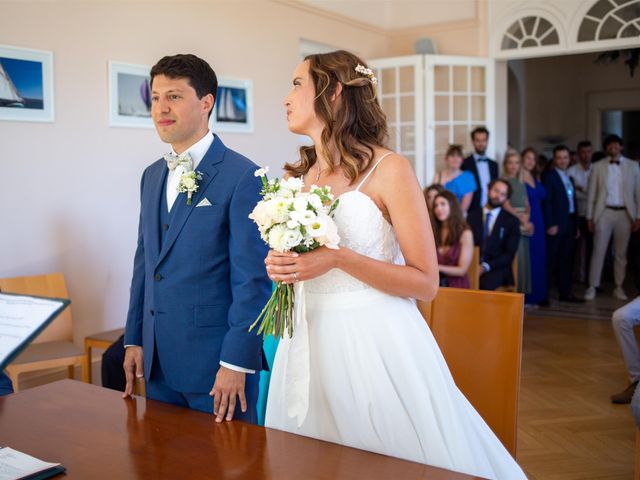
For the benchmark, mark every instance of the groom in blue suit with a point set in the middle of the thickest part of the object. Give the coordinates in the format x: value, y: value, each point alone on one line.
x: 198, y: 275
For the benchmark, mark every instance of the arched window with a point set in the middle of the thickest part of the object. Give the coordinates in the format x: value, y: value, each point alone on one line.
x: 530, y: 31
x: 611, y: 19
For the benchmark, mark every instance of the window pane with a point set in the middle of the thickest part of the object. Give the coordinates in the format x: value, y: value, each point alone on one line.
x: 407, y: 109
x: 551, y: 39
x: 442, y: 137
x: 460, y: 134
x: 389, y: 108
x: 529, y: 23
x: 406, y: 79
x: 530, y: 42
x: 587, y: 30
x: 478, y: 108
x: 392, y: 139
x: 388, y: 80
x: 460, y: 79
x: 477, y: 79
x: 441, y: 108
x: 408, y: 138
x: 609, y: 29
x: 441, y: 79
x: 460, y: 108
x: 600, y: 9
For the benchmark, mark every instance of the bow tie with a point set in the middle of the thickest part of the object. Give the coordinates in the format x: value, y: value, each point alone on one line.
x: 614, y: 162
x: 481, y: 159
x: 183, y: 159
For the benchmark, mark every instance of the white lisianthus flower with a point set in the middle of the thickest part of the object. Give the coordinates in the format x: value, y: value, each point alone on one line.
x: 292, y: 224
x: 304, y: 218
x: 300, y: 204
x: 292, y: 238
x: 261, y: 172
x: 277, y: 238
x: 318, y: 227
x: 295, y: 184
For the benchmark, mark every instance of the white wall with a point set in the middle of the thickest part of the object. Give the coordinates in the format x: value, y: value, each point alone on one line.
x: 69, y: 189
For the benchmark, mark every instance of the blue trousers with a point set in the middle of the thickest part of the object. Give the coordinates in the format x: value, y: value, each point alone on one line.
x: 5, y: 384
x: 158, y: 389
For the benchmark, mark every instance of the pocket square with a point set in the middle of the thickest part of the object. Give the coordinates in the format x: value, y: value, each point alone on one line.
x: 204, y: 203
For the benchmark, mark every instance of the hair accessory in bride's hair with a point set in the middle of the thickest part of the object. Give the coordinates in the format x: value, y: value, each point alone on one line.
x: 367, y: 72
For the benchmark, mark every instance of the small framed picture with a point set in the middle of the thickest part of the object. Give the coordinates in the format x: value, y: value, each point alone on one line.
x: 26, y: 84
x: 233, y: 111
x: 129, y: 95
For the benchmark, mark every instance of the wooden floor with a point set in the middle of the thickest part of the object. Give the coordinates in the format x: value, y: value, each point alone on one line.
x: 568, y: 428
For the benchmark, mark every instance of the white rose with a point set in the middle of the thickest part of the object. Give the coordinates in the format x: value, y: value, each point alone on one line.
x: 261, y: 215
x: 277, y: 238
x: 292, y: 238
x: 188, y: 182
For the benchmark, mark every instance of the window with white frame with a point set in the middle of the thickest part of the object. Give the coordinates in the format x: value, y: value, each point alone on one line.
x: 611, y: 19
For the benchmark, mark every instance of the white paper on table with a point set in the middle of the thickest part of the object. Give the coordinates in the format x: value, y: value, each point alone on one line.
x: 21, y: 319
x: 15, y: 464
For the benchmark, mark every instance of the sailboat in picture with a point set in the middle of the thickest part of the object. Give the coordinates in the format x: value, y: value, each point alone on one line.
x: 9, y: 96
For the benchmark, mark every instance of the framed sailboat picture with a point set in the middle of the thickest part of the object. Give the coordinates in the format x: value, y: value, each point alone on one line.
x: 233, y: 110
x: 26, y: 85
x: 129, y: 95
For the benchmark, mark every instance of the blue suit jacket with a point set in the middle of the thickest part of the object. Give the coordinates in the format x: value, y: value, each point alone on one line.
x: 195, y: 296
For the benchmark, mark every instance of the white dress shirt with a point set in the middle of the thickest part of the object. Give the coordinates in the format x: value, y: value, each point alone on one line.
x: 197, y: 151
x: 615, y: 197
x: 568, y: 186
x: 492, y: 221
x: 484, y: 175
x: 580, y: 177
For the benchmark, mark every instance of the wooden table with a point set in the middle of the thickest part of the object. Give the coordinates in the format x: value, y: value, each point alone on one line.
x: 96, y: 434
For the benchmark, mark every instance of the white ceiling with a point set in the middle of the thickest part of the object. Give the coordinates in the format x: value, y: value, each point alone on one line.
x: 398, y: 14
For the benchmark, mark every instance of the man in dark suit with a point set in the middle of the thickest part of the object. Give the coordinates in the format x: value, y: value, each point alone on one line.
x: 560, y: 219
x: 484, y: 169
x: 497, y: 233
x: 198, y: 274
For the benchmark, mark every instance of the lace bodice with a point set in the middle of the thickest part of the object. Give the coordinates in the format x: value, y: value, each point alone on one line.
x: 363, y: 229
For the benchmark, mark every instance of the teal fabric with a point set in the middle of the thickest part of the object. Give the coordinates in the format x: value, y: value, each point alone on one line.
x: 270, y: 346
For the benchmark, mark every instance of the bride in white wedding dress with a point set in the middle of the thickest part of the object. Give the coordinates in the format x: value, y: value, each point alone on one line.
x: 363, y: 368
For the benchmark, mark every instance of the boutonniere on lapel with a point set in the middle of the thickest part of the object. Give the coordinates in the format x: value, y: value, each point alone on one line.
x: 189, y: 183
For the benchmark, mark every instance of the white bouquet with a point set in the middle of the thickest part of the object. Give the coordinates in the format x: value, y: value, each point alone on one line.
x: 290, y: 220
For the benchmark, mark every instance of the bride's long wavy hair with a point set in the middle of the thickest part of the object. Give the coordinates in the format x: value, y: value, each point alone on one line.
x: 355, y: 125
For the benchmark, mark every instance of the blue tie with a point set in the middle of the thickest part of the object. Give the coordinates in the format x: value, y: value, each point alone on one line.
x: 487, y: 223
x: 482, y: 159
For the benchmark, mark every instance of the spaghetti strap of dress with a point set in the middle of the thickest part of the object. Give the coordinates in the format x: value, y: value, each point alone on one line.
x: 372, y: 169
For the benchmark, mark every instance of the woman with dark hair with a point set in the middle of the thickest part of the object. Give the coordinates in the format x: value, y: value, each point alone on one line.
x: 461, y: 183
x: 430, y: 194
x: 454, y: 241
x: 537, y: 242
x: 362, y: 368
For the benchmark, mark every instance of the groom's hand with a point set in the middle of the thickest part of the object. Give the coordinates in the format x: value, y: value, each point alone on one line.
x: 133, y: 368
x: 228, y: 386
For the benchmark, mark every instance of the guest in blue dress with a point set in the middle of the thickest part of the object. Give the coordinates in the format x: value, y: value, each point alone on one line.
x: 461, y: 183
x: 537, y: 243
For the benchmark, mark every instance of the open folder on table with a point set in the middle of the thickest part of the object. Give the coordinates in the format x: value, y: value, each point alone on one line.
x: 15, y: 465
x: 22, y: 318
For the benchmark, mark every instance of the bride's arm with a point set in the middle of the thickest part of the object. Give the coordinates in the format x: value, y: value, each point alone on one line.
x: 398, y: 188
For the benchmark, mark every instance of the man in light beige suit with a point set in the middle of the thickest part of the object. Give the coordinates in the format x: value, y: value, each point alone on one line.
x: 613, y: 207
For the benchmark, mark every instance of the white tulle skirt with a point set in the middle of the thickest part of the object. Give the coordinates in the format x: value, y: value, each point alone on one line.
x: 378, y: 382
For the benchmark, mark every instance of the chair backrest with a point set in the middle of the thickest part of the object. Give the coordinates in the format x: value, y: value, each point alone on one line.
x: 49, y: 285
x: 474, y: 270
x: 480, y: 336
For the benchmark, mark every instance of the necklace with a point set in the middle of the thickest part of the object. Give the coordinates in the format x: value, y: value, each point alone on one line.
x: 320, y: 171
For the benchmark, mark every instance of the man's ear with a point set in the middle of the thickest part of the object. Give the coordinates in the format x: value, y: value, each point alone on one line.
x: 207, y: 102
x: 337, y: 93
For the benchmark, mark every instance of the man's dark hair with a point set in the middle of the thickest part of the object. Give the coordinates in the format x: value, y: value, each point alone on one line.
x: 199, y: 73
x: 613, y: 138
x: 479, y: 130
x: 501, y: 180
x: 559, y: 148
x: 583, y: 144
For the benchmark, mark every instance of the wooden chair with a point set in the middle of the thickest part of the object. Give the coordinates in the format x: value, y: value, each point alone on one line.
x: 54, y: 346
x: 99, y: 340
x: 480, y: 336
x: 514, y: 270
x: 474, y: 270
